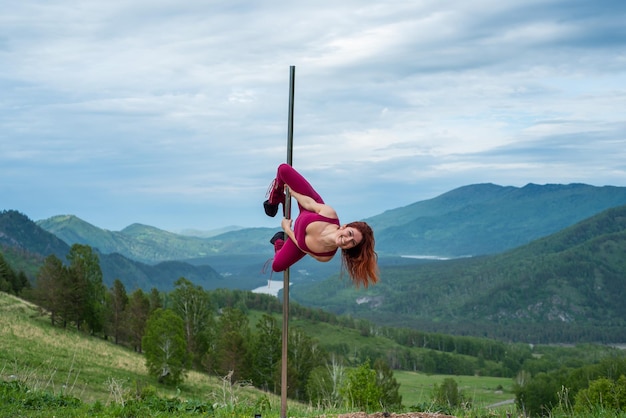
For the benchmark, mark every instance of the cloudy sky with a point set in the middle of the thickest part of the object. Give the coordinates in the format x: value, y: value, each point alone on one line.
x: 174, y: 113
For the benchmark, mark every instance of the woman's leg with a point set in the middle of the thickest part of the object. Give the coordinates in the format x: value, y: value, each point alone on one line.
x: 287, y: 254
x: 288, y: 175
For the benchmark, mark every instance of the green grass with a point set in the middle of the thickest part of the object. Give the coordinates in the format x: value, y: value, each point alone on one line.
x: 482, y: 391
x: 72, y: 363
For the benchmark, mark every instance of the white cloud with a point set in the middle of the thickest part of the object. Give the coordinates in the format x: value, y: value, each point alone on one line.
x: 144, y: 108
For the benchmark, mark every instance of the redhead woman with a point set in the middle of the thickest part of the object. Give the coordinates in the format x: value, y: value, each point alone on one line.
x: 317, y: 231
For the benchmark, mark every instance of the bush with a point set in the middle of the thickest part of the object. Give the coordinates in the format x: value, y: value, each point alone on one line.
x: 448, y: 394
x: 539, y: 395
x: 17, y: 394
x: 360, y: 389
x: 602, y: 394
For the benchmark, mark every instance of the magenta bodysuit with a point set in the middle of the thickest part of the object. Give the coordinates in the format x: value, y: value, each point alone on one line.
x: 287, y: 252
x: 304, y: 219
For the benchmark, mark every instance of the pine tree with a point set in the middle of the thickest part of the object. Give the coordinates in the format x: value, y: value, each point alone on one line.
x: 49, y: 291
x: 138, y: 309
x: 390, y: 397
x: 231, y: 348
x: 156, y: 301
x: 7, y: 277
x: 89, y: 291
x: 266, y: 353
x: 116, y: 311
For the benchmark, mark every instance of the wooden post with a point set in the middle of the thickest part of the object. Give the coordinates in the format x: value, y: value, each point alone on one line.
x: 283, y: 371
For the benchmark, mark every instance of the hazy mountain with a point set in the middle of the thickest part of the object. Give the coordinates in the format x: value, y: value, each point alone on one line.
x: 135, y: 274
x: 471, y: 220
x: 26, y: 245
x: 488, y: 219
x: 138, y: 242
x: 208, y: 234
x: 153, y: 245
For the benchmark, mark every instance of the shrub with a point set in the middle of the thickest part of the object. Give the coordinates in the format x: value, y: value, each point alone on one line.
x: 447, y: 394
x: 360, y: 388
x: 602, y: 394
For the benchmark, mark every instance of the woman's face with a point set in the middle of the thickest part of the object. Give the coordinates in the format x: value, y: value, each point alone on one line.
x: 348, y: 237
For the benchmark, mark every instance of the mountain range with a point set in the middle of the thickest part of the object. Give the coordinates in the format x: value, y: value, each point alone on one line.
x: 488, y: 219
x: 521, y: 261
x: 25, y: 245
x: 471, y: 220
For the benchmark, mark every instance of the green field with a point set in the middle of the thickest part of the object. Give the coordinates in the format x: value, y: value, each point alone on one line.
x: 481, y: 391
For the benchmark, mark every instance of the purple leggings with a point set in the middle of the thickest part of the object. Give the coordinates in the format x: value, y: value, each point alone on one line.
x: 287, y: 252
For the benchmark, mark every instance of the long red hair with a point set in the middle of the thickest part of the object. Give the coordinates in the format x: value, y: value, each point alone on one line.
x: 361, y: 261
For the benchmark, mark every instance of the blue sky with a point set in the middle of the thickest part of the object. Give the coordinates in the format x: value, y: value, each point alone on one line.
x: 174, y: 114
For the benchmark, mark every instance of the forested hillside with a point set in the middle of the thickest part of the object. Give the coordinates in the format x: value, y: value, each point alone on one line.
x: 568, y: 287
x: 19, y: 233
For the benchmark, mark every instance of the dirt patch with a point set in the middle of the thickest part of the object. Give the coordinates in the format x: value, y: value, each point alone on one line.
x: 393, y: 415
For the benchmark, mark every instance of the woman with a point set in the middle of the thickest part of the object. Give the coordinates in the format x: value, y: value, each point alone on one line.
x: 317, y: 231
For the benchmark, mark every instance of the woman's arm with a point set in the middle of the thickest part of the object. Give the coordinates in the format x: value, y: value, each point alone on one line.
x: 311, y: 205
x: 306, y: 202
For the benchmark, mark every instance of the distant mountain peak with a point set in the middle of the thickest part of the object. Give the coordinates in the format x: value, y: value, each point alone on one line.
x: 139, y: 227
x: 210, y: 233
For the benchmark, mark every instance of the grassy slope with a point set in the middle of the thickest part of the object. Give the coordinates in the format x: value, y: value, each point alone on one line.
x: 65, y: 361
x: 68, y: 362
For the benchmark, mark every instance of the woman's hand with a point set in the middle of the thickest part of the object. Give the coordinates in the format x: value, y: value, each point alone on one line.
x: 286, y: 225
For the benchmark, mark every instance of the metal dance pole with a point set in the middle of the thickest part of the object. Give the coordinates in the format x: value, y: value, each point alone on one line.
x: 283, y: 371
